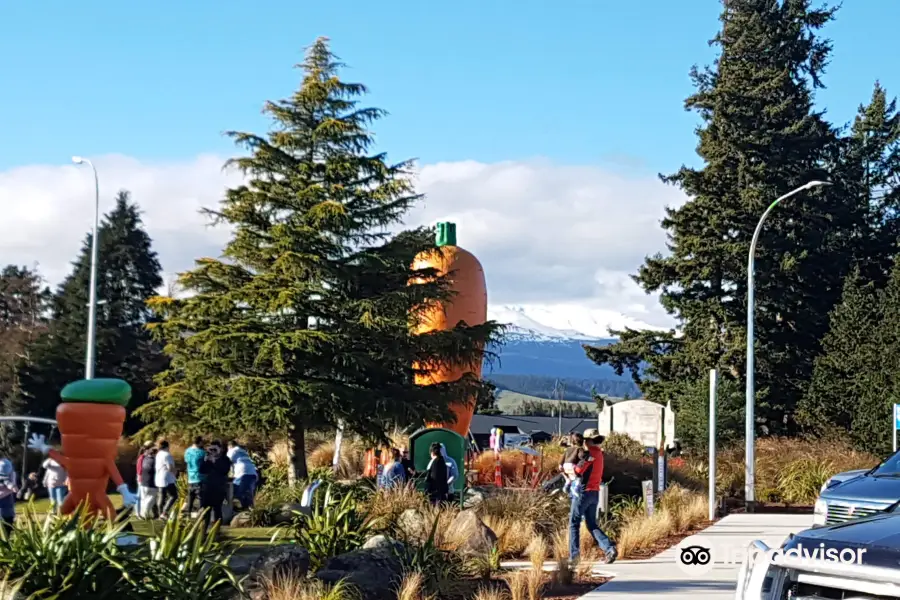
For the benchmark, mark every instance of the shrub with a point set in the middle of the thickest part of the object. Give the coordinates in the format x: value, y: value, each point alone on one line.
x: 76, y: 556
x: 801, y: 480
x: 436, y: 565
x: 336, y: 525
x: 386, y: 506
x: 183, y: 561
x: 294, y: 587
x: 679, y: 511
x: 351, y: 462
x: 73, y: 556
x: 539, y: 512
x: 623, y: 446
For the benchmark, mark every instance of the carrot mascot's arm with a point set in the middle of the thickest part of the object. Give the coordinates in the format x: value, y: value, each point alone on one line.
x: 114, y: 474
x: 59, y: 457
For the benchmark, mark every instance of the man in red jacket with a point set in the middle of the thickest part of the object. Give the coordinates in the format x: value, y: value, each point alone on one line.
x: 585, y: 507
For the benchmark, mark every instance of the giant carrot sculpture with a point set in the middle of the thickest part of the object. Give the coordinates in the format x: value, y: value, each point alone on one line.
x: 90, y: 419
x: 468, y: 304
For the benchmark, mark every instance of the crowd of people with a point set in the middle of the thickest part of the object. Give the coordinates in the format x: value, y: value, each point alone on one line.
x: 210, y: 469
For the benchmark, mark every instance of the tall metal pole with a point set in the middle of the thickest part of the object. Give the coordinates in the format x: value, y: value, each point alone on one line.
x: 713, y: 383
x: 89, y: 358
x: 25, y: 454
x: 749, y: 432
x: 561, y: 394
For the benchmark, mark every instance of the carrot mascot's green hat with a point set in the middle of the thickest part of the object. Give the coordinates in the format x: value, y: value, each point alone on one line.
x: 97, y: 391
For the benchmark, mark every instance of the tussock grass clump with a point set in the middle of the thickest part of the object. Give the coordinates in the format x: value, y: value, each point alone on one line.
x: 412, y: 587
x: 388, y: 505
x: 679, y: 511
x: 789, y: 470
x: 352, y: 460
x: 295, y: 587
x: 491, y: 593
x: 517, y: 581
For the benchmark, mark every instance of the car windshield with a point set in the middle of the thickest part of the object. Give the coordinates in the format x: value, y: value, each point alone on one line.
x: 889, y: 468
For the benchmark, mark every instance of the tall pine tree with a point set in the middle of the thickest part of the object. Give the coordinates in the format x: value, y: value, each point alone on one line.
x: 305, y: 320
x: 128, y: 274
x: 23, y: 311
x: 869, y: 171
x: 841, y: 373
x: 760, y: 138
x: 851, y: 366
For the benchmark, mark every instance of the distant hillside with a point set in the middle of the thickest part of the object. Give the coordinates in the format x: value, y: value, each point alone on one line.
x: 578, y: 390
x: 514, y: 403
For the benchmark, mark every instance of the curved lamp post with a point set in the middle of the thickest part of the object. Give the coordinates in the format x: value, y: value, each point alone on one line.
x: 750, y: 432
x: 92, y: 301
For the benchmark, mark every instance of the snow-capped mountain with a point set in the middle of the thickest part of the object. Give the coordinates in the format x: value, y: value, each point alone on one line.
x: 561, y: 322
x: 545, y: 345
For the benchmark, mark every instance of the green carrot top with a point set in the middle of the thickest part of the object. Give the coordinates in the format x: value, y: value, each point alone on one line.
x: 99, y: 391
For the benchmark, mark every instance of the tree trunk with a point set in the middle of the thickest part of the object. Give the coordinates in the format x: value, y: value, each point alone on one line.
x: 297, y: 443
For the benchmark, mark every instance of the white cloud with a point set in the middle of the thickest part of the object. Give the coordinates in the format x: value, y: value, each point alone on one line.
x: 547, y: 235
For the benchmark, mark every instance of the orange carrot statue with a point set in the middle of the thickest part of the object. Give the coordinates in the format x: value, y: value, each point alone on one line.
x: 90, y: 419
x: 468, y: 305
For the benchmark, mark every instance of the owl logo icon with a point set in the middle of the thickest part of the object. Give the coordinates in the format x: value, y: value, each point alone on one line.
x: 694, y: 556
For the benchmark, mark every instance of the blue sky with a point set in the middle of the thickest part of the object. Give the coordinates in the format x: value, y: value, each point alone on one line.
x: 579, y: 82
x: 595, y: 82
x: 595, y: 86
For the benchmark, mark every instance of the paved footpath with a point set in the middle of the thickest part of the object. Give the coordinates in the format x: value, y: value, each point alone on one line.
x: 659, y: 577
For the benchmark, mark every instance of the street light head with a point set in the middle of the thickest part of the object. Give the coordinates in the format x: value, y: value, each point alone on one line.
x: 817, y: 183
x: 77, y: 160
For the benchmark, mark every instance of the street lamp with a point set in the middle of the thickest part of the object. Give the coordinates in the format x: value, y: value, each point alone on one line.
x: 92, y: 297
x: 750, y: 433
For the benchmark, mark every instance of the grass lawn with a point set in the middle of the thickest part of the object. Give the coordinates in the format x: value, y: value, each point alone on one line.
x: 244, y: 536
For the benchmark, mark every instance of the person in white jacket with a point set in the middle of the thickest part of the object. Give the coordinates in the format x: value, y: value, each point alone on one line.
x: 245, y: 475
x: 452, y: 469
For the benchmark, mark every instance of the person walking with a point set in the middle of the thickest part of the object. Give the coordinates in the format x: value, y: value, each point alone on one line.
x: 164, y: 479
x: 193, y: 458
x: 55, y: 481
x: 584, y: 507
x: 436, y: 480
x: 142, y: 453
x: 214, y: 484
x: 245, y: 475
x: 149, y: 494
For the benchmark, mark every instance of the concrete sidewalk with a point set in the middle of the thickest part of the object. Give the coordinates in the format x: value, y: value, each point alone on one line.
x: 660, y: 577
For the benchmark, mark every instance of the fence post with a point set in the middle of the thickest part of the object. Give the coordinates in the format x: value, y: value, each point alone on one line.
x: 338, y: 438
x: 713, y: 384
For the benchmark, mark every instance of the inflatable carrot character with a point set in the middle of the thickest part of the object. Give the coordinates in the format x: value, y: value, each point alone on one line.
x: 90, y: 419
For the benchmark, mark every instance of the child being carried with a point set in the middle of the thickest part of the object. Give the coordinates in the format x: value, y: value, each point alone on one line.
x: 574, y: 454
